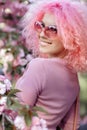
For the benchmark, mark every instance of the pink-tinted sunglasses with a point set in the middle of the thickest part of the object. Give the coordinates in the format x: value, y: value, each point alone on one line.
x: 50, y: 31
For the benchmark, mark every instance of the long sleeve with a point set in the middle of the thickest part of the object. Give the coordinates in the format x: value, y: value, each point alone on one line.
x: 30, y: 83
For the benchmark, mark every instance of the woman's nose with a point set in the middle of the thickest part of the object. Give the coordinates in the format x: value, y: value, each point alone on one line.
x: 42, y: 33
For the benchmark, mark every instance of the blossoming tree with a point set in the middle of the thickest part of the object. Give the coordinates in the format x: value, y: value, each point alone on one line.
x: 14, y: 55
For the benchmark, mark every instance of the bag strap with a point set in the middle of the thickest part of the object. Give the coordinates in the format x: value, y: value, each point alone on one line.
x: 76, y: 114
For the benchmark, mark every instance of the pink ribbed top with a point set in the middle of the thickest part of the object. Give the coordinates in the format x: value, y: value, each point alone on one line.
x: 49, y: 83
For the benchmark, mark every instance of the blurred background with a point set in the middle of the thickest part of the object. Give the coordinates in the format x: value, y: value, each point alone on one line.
x: 14, y: 54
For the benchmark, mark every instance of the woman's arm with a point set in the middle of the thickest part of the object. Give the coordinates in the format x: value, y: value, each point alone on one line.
x: 30, y: 83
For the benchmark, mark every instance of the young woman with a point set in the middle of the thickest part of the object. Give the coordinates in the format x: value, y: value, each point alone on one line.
x: 56, y: 31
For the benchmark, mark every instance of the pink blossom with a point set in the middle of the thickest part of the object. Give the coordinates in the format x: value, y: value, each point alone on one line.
x: 32, y: 0
x: 35, y: 121
x: 8, y: 29
x: 8, y: 75
x: 1, y: 43
x: 2, y: 78
x: 18, y: 8
x: 4, y: 85
x: 5, y: 67
x: 11, y: 114
x: 19, y: 122
x: 15, y: 62
x: 3, y: 100
x: 2, y: 107
x: 43, y: 123
x: 29, y: 57
x: 8, y: 84
x: 2, y: 88
x: 21, y: 53
x: 38, y: 124
x: 22, y: 61
x: 36, y: 128
x: 45, y: 129
x: 9, y: 57
x: 13, y: 43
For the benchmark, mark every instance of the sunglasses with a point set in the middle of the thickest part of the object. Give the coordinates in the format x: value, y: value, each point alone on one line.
x: 49, y: 31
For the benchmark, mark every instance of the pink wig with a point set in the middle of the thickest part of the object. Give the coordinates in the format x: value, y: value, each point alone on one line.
x: 71, y: 21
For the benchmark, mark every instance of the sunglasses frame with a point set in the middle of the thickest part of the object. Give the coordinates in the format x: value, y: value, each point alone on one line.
x: 49, y: 31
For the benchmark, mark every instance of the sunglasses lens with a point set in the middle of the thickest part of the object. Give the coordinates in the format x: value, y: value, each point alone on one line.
x: 51, y: 31
x: 38, y: 26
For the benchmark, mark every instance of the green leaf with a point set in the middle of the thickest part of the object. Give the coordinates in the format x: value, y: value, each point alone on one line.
x: 14, y: 35
x: 38, y: 108
x: 27, y: 119
x: 26, y: 113
x: 9, y: 102
x: 14, y: 104
x: 12, y: 92
x: 2, y: 34
x: 34, y: 114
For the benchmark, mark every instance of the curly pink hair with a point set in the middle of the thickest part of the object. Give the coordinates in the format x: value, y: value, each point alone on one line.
x: 71, y: 21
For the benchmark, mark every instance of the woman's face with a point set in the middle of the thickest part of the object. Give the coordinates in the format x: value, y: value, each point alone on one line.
x: 49, y: 42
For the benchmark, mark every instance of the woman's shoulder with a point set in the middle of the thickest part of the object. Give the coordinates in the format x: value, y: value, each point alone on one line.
x: 37, y: 60
x: 48, y: 62
x: 41, y: 61
x: 36, y: 64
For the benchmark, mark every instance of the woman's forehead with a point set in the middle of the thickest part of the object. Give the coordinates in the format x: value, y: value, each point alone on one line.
x: 49, y: 19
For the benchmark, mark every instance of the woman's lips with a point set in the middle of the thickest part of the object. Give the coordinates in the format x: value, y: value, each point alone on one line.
x: 44, y: 43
